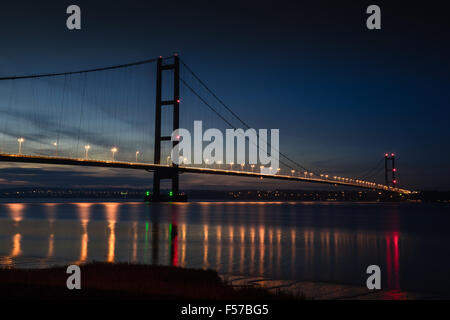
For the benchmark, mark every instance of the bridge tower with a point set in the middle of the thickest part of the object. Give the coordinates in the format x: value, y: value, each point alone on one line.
x: 390, y: 169
x: 172, y: 172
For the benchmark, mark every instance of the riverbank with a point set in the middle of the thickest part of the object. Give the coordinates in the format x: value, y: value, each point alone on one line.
x: 323, y: 290
x: 128, y: 281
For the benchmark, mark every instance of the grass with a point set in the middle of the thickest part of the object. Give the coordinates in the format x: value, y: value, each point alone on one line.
x: 127, y: 281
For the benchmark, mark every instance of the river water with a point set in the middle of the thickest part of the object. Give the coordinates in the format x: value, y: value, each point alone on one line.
x: 307, y: 241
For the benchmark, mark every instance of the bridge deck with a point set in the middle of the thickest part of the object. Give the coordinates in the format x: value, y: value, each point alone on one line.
x: 153, y: 167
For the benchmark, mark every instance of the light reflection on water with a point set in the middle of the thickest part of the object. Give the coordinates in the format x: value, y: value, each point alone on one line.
x: 301, y: 241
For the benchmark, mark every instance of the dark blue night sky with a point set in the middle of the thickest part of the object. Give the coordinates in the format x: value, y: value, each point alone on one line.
x: 341, y: 95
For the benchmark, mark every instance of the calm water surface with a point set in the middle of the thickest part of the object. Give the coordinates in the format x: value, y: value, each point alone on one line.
x: 329, y: 242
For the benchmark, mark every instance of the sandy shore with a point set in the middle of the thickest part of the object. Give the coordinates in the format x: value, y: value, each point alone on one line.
x: 321, y: 290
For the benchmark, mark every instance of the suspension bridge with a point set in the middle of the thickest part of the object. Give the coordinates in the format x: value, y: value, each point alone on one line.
x: 103, y: 117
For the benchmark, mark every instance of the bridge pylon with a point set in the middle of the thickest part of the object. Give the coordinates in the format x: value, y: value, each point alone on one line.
x: 390, y: 169
x: 170, y: 173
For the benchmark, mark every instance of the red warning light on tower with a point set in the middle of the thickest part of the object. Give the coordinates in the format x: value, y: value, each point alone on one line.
x: 389, y: 169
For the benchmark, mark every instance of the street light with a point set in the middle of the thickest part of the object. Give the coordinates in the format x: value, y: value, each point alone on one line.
x: 242, y: 166
x: 20, y: 140
x: 113, y: 150
x: 292, y: 172
x: 56, y: 148
x: 137, y: 153
x: 168, y: 160
x: 231, y: 165
x: 219, y: 163
x: 305, y: 173
x: 87, y: 150
x: 252, y: 166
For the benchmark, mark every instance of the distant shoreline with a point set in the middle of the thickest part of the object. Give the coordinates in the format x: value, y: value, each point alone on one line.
x: 115, y: 200
x: 247, y: 201
x: 259, y: 195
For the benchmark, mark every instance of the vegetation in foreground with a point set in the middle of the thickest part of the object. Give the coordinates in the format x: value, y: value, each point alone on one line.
x: 126, y: 281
